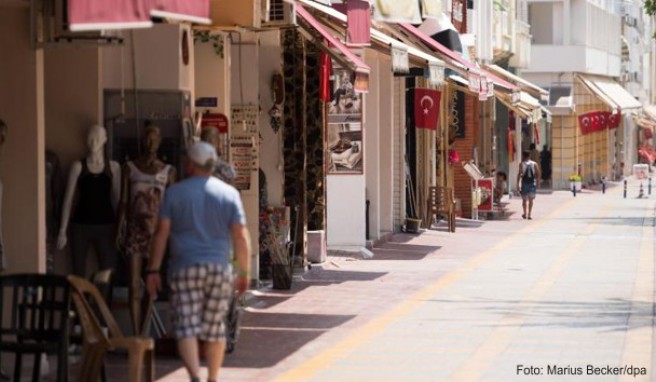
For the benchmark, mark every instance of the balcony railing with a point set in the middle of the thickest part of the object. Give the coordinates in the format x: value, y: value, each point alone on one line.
x: 522, y: 48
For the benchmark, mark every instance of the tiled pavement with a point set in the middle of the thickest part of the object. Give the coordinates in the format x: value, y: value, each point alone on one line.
x: 574, y: 286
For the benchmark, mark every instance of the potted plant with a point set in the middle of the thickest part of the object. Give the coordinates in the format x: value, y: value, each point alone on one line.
x: 575, y: 182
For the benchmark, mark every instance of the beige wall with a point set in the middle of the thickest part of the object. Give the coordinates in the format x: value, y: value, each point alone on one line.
x: 73, y: 103
x: 22, y: 168
x: 73, y: 100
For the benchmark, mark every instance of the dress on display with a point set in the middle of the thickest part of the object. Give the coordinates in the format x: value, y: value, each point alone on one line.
x: 147, y: 191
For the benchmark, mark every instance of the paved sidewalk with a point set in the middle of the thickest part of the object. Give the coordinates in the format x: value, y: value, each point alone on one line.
x: 571, y: 287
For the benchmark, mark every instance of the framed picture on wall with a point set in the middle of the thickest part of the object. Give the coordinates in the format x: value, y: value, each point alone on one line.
x: 345, y: 104
x: 344, y: 148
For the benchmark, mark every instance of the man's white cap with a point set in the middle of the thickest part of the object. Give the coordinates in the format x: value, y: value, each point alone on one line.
x: 203, y: 154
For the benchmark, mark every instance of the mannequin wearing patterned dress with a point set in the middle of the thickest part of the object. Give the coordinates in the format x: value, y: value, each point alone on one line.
x: 144, y: 182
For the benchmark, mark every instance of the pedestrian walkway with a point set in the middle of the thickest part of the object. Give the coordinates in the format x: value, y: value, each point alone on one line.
x: 496, y: 301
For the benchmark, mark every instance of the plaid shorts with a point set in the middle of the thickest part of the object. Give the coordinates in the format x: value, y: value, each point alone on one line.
x: 200, y: 297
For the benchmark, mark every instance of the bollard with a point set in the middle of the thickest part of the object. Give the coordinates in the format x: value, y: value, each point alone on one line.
x: 603, y: 185
x: 641, y: 193
x: 574, y: 189
x: 624, y: 188
x: 649, y: 187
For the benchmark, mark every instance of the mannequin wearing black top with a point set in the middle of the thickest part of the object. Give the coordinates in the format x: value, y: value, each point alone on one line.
x: 96, y: 182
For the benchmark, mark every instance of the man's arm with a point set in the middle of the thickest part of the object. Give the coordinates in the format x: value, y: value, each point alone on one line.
x: 153, y: 280
x: 241, y: 240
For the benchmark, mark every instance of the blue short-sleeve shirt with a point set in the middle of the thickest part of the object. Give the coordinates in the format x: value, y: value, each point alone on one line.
x: 202, y: 211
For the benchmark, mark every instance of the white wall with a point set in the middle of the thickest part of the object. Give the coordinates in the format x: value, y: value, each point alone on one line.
x: 158, y: 62
x: 372, y: 145
x: 386, y: 157
x: 346, y: 209
x: 271, y: 159
x: 245, y: 89
x: 212, y: 75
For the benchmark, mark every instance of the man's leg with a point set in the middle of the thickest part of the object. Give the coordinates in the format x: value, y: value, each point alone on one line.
x: 188, y: 349
x: 214, y: 351
x: 524, y: 206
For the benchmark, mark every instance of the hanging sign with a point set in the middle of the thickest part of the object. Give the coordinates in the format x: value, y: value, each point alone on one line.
x: 486, y: 185
x: 241, y: 152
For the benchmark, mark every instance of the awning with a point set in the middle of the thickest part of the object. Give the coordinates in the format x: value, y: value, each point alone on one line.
x: 337, y: 49
x: 94, y: 15
x: 194, y: 11
x: 609, y: 91
x: 455, y: 57
x: 379, y: 38
x: 525, y: 85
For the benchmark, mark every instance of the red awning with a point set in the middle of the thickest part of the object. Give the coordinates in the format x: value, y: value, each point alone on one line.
x: 456, y: 57
x: 355, y: 62
x: 93, y: 15
x: 195, y: 11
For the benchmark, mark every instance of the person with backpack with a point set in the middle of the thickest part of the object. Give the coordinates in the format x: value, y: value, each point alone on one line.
x: 527, y: 182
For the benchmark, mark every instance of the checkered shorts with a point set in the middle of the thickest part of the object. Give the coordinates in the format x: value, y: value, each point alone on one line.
x: 200, y: 297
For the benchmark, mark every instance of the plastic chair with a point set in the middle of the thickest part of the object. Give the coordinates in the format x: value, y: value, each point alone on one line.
x: 97, y: 343
x: 39, y: 320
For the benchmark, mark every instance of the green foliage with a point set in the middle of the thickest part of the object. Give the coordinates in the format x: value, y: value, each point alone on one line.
x: 650, y: 7
x: 215, y: 40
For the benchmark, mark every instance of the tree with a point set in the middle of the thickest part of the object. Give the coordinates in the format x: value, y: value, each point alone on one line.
x: 650, y: 8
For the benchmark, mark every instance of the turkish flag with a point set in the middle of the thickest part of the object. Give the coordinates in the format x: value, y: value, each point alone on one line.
x: 586, y: 123
x: 603, y: 118
x: 614, y: 120
x: 427, y: 108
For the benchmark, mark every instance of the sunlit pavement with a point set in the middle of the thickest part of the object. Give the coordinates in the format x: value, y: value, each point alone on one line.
x: 499, y: 300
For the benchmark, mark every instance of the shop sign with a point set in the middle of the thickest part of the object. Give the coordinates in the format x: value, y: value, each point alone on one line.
x: 243, y: 159
x: 207, y: 102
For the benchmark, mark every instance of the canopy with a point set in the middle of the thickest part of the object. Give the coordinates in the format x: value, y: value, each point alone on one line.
x: 609, y: 91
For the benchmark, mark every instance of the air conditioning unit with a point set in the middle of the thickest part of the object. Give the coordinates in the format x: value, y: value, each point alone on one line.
x: 278, y: 13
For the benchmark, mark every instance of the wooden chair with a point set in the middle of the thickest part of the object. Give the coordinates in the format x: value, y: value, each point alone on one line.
x: 441, y: 202
x: 97, y: 343
x: 39, y: 308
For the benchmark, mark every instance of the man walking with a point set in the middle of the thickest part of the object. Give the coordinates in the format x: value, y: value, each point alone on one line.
x: 203, y: 220
x: 528, y: 178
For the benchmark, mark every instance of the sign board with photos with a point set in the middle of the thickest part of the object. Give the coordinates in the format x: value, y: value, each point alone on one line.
x: 344, y: 138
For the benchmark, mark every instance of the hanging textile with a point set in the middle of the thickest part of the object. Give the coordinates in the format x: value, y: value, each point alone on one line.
x: 400, y: 60
x: 397, y: 11
x: 431, y: 8
x: 510, y: 142
x: 324, y: 77
x: 435, y: 73
x: 427, y: 108
x: 358, y: 22
x: 536, y: 134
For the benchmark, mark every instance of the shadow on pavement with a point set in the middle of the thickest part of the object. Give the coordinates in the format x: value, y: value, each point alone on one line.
x: 397, y: 251
x: 268, y: 338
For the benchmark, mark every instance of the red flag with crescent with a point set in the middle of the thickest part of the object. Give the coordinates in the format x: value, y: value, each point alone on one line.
x: 586, y: 123
x: 614, y: 120
x: 427, y: 108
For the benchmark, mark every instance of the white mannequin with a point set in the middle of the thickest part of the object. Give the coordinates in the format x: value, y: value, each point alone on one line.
x: 96, y: 163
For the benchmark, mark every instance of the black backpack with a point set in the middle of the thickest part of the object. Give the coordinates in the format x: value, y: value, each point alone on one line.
x: 529, y: 173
